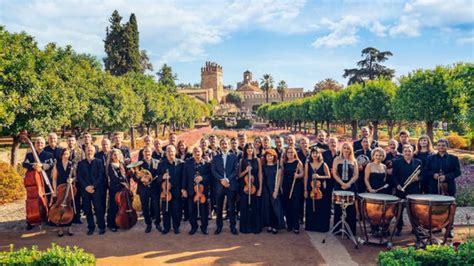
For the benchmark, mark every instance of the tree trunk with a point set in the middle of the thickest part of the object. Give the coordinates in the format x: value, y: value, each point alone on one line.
x: 14, y: 151
x: 299, y: 126
x: 157, y: 128
x: 164, y: 130
x: 304, y: 126
x: 148, y: 130
x: 354, y: 129
x: 390, y: 128
x: 399, y: 127
x: 376, y: 131
x: 132, y: 137
x: 316, y: 128
x: 328, y: 126
x: 429, y: 129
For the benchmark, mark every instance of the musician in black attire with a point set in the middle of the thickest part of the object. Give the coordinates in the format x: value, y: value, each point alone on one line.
x: 235, y: 149
x: 272, y: 211
x: 321, y: 141
x: 103, y: 156
x: 53, y: 146
x: 60, y: 174
x: 424, y: 148
x: 149, y: 192
x: 88, y: 141
x: 292, y: 186
x: 196, y: 171
x: 117, y: 139
x: 242, y: 140
x: 170, y: 168
x: 224, y: 171
x: 279, y: 147
x: 403, y: 168
x: 182, y: 152
x: 90, y: 178
x: 404, y: 139
x: 158, y: 153
x: 77, y: 155
x: 364, y: 151
x: 357, y: 145
x: 46, y: 164
x: 118, y: 180
x: 303, y: 155
x: 442, y: 167
x: 148, y: 141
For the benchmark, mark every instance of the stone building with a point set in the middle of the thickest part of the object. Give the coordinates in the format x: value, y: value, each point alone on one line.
x: 212, y: 88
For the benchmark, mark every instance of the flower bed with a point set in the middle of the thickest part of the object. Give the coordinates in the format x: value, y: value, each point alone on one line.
x: 465, y: 184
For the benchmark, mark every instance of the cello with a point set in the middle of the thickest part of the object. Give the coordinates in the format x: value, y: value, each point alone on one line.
x: 126, y: 216
x: 63, y: 210
x: 37, y: 206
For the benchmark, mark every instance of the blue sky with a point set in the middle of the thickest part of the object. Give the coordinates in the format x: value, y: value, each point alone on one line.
x: 301, y: 42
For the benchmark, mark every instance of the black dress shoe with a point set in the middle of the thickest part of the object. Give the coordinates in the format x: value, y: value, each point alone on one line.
x: 204, y: 230
x: 148, y: 228
x: 90, y: 232
x: 234, y: 231
x: 101, y: 231
x: 176, y: 231
x: 61, y: 234
x: 113, y: 229
x: 165, y: 231
x: 69, y: 233
x: 77, y: 222
x: 158, y: 227
x: 193, y: 231
x: 274, y: 231
x: 29, y: 227
x: 218, y: 230
x: 398, y: 232
x: 296, y: 231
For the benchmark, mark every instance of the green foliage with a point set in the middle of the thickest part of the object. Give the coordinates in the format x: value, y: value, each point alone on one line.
x: 369, y: 67
x: 235, y: 98
x: 343, y: 104
x: 373, y: 102
x: 266, y: 84
x: 166, y: 78
x: 11, y: 184
x: 432, y: 255
x: 327, y: 84
x: 281, y: 89
x: 321, y: 106
x: 55, y: 255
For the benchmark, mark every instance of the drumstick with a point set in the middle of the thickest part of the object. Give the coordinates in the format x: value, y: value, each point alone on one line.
x: 384, y: 186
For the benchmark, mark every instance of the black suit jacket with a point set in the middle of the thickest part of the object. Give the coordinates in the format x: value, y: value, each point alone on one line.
x: 231, y: 171
x: 175, y: 169
x: 190, y: 168
x: 155, y: 184
x: 449, y: 164
x: 90, y: 174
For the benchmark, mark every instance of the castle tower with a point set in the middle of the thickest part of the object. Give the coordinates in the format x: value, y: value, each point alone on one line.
x: 211, y: 78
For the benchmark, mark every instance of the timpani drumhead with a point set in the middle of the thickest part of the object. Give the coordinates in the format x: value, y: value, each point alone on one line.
x: 379, y: 197
x: 430, y: 198
x: 343, y: 193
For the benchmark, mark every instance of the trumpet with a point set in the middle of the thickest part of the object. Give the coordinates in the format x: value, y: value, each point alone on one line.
x: 411, y: 178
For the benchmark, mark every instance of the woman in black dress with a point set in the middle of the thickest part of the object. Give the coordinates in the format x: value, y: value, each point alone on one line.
x: 365, y: 153
x: 271, y: 205
x: 60, y: 174
x: 345, y: 174
x: 250, y: 215
x: 257, y: 142
x: 117, y: 180
x: 182, y: 151
x: 293, y: 173
x: 375, y: 176
x: 424, y: 148
x: 318, y: 211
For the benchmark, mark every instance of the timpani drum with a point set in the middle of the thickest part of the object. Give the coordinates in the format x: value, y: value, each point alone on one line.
x: 378, y: 210
x: 430, y: 213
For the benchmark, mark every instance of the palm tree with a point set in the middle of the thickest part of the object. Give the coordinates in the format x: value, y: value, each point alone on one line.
x: 369, y: 67
x: 266, y: 84
x: 281, y: 89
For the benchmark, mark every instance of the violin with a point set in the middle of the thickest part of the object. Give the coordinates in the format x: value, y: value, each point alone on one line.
x: 36, y: 204
x: 199, y: 197
x: 249, y: 188
x: 165, y: 191
x: 63, y: 210
x: 316, y: 193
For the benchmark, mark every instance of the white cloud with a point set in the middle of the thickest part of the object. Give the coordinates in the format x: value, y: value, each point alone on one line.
x: 466, y: 40
x: 342, y: 33
x: 378, y: 29
x: 408, y: 26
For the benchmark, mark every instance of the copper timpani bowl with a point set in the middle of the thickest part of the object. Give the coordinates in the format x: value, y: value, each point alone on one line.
x: 431, y: 211
x: 342, y: 196
x: 379, y: 209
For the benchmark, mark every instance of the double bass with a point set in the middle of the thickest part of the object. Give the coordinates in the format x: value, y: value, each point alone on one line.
x: 126, y: 216
x: 63, y: 210
x: 37, y: 206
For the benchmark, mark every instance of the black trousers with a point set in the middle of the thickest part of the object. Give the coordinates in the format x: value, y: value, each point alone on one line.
x: 112, y: 209
x: 231, y: 206
x: 150, y: 206
x: 78, y: 205
x: 193, y: 216
x: 174, y: 212
x: 93, y: 199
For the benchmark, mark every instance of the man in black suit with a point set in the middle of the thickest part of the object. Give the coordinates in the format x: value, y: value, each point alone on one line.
x: 117, y: 139
x: 321, y: 141
x: 53, y: 146
x: 357, y: 145
x: 88, y: 141
x: 196, y: 172
x: 170, y: 168
x: 224, y: 170
x: 90, y: 178
x: 442, y: 168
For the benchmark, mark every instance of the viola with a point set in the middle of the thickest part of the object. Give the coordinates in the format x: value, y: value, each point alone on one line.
x: 165, y: 191
x: 62, y: 212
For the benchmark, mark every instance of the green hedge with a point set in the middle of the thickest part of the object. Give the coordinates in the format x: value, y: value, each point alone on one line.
x: 220, y: 123
x: 243, y: 123
x: 55, y: 255
x: 432, y: 255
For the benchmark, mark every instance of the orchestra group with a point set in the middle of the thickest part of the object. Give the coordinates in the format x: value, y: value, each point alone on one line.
x: 271, y: 184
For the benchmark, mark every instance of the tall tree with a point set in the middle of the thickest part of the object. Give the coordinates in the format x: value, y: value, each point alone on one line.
x: 145, y: 63
x: 322, y: 108
x: 370, y: 67
x: 266, y: 85
x: 114, y: 62
x: 131, y: 47
x: 235, y: 98
x: 167, y: 78
x: 327, y: 84
x: 343, y: 107
x: 281, y: 89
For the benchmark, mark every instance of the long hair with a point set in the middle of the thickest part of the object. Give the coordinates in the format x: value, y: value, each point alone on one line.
x: 320, y: 156
x: 351, y: 154
x: 244, y: 161
x: 418, y: 146
x: 285, y: 157
x: 271, y: 152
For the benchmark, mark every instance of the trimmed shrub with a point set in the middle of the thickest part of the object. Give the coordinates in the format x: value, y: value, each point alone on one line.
x: 56, y: 255
x: 432, y: 255
x: 456, y: 141
x: 11, y: 184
